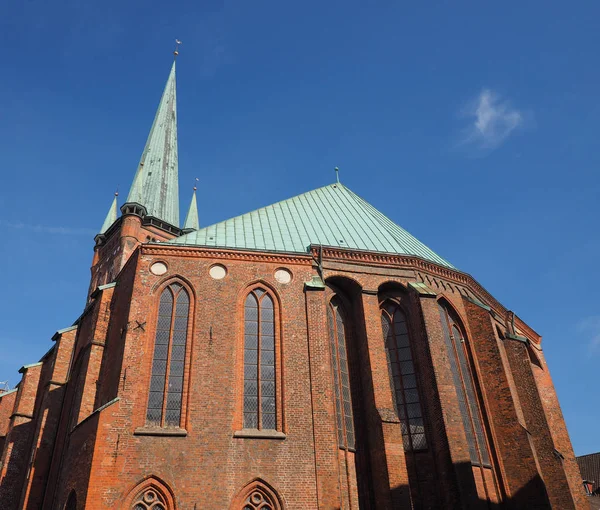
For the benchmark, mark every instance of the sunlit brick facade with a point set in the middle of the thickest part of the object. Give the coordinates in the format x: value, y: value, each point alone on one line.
x: 218, y: 377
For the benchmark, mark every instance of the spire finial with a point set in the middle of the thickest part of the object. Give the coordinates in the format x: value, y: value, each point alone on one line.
x: 196, y: 184
x: 177, y: 43
x: 337, y: 174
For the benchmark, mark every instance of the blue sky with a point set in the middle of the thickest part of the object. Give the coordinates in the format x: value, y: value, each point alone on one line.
x: 472, y: 125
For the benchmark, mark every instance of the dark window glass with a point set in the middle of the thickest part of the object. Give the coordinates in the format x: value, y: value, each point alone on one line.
x: 259, y: 361
x: 402, y: 376
x: 166, y: 382
x: 465, y: 390
x: 71, y: 502
x: 341, y: 378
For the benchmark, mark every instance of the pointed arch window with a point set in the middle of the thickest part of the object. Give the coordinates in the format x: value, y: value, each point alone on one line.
x: 456, y: 345
x: 341, y: 378
x: 403, y: 378
x: 259, y: 361
x: 149, y: 500
x: 168, y: 363
x: 257, y: 495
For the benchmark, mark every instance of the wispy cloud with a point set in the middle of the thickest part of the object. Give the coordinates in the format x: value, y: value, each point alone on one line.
x: 492, y: 119
x: 48, y: 229
x: 590, y: 328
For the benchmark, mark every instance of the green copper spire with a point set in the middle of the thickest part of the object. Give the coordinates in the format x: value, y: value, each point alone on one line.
x: 155, y: 185
x: 111, y: 217
x: 191, y: 219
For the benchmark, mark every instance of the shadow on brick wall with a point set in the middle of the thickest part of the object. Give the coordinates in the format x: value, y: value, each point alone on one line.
x: 532, y: 496
x: 18, y: 442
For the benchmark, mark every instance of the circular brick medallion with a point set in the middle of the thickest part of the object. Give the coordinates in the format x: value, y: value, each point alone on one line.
x: 283, y: 275
x: 158, y: 268
x: 218, y: 271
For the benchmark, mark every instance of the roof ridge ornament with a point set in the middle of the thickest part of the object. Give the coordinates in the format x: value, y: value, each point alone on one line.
x: 337, y: 174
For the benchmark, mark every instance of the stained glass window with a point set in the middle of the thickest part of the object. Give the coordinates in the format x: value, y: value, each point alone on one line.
x: 341, y: 377
x: 403, y: 379
x: 465, y: 390
x: 166, y: 383
x: 259, y: 361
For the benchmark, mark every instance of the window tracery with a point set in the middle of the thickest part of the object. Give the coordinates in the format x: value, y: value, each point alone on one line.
x: 166, y: 383
x: 257, y: 495
x: 403, y: 378
x: 456, y: 345
x: 257, y: 501
x: 259, y: 410
x: 149, y: 500
x: 341, y: 377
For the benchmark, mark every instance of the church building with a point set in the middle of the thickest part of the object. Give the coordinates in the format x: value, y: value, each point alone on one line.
x: 307, y: 355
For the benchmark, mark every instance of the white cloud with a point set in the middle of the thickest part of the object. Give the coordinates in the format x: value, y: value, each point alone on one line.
x: 48, y: 230
x: 590, y: 328
x: 492, y: 121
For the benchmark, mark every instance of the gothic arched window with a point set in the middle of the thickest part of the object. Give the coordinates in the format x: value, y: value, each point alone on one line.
x: 166, y: 384
x: 259, y: 362
x: 341, y: 377
x: 257, y: 501
x: 150, y: 494
x: 257, y: 495
x: 149, y: 499
x: 456, y: 345
x: 403, y: 379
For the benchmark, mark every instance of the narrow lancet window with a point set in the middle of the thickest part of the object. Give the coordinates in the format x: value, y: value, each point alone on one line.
x: 403, y: 379
x: 341, y: 378
x: 166, y: 384
x: 259, y: 361
x: 465, y: 390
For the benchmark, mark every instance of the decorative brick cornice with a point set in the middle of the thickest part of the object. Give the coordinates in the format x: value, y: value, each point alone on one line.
x: 217, y: 253
x: 358, y: 257
x: 424, y: 266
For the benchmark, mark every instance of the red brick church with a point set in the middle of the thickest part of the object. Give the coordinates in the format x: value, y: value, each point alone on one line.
x: 310, y: 354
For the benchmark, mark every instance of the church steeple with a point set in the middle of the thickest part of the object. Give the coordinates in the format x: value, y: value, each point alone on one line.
x: 191, y: 220
x: 111, y: 217
x: 155, y: 185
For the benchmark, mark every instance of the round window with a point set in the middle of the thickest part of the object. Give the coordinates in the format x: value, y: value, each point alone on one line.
x: 283, y: 275
x: 158, y: 268
x: 218, y: 272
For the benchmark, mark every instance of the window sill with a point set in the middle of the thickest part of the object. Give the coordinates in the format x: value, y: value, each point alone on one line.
x: 259, y: 434
x: 158, y: 431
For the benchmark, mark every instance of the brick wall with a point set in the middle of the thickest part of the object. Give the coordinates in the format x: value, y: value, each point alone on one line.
x: 103, y: 449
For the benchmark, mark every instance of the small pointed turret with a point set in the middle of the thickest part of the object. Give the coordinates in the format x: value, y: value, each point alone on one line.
x: 191, y: 219
x: 111, y: 217
x: 155, y: 186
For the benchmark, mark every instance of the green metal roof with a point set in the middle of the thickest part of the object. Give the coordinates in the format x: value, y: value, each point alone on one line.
x: 111, y: 217
x: 155, y: 185
x: 191, y: 219
x: 331, y: 216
